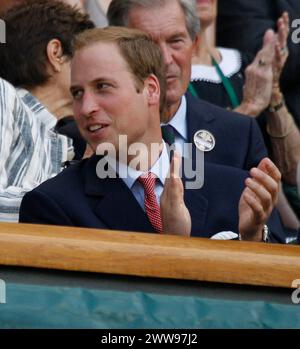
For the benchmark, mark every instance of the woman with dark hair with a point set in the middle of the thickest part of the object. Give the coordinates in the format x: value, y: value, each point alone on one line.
x: 34, y: 94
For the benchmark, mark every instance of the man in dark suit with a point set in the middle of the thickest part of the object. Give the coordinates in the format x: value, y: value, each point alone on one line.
x: 120, y: 91
x: 174, y: 26
x: 242, y: 24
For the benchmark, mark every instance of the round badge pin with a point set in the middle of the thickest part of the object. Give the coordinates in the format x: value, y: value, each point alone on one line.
x: 204, y: 140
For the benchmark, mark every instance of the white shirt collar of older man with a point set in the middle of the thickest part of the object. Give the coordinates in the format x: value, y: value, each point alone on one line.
x: 178, y: 122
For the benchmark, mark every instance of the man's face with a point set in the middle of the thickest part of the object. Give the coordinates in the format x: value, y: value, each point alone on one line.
x: 167, y: 27
x: 106, y: 102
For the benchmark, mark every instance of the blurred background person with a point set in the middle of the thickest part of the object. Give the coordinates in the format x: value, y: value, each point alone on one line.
x: 241, y: 25
x: 97, y: 9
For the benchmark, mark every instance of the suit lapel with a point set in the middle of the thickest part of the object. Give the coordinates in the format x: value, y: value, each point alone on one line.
x: 197, y: 116
x: 114, y: 203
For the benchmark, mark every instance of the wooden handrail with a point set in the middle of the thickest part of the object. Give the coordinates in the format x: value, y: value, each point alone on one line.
x: 150, y: 255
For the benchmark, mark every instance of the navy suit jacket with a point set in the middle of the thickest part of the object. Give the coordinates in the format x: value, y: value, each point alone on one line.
x: 239, y: 142
x: 77, y: 197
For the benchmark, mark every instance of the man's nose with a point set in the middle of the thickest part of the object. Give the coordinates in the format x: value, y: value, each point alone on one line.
x: 89, y: 105
x: 167, y: 54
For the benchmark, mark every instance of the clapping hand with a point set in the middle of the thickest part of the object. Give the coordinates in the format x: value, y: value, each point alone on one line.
x: 259, y: 78
x: 258, y: 200
x: 176, y: 219
x: 281, y: 48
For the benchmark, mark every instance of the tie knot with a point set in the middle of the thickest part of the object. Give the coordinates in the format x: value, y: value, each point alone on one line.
x: 148, y: 181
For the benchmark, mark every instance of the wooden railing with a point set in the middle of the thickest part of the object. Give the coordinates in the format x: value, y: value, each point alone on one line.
x: 149, y: 255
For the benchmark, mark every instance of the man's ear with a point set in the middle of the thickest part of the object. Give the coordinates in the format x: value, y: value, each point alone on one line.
x: 55, y: 55
x: 152, y: 89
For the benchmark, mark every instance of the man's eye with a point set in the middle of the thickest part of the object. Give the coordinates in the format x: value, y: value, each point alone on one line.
x: 76, y: 94
x: 102, y: 86
x: 177, y: 40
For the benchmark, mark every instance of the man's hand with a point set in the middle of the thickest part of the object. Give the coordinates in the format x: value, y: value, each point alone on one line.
x: 258, y: 200
x: 281, y: 48
x: 176, y: 219
x: 259, y: 78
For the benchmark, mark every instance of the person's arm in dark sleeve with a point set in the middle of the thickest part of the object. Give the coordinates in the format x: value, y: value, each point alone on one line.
x: 38, y: 208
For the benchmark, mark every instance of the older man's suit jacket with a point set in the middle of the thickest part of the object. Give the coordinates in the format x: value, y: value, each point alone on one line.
x: 239, y: 142
x: 77, y: 197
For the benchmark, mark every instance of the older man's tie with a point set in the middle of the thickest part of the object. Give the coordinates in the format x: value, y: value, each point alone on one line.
x: 168, y: 134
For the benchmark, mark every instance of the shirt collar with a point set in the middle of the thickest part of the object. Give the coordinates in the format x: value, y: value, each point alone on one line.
x: 130, y: 175
x: 230, y: 64
x: 37, y: 108
x: 178, y: 122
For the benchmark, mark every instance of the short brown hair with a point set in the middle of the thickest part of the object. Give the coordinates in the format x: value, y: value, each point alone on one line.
x: 30, y: 26
x: 140, y: 52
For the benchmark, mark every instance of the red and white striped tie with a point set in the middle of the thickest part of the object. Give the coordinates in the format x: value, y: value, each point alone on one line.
x: 151, y: 205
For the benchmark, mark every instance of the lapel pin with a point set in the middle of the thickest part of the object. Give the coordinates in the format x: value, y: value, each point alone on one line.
x: 204, y: 140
